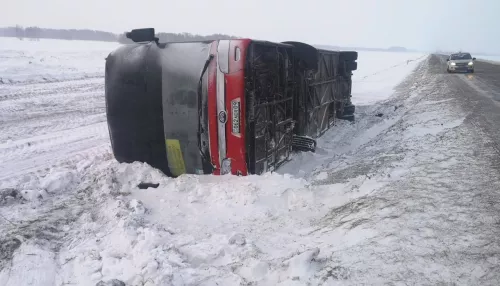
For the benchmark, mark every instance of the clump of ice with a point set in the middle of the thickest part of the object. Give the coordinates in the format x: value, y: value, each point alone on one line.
x: 33, y: 195
x: 29, y: 181
x: 9, y: 195
x: 322, y: 176
x: 238, y: 239
x: 301, y: 266
x: 112, y: 282
x: 137, y: 207
x: 59, y: 181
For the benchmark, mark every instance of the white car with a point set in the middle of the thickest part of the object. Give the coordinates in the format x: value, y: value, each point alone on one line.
x: 460, y: 62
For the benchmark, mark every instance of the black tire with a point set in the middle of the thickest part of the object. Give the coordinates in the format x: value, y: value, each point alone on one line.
x: 352, y: 66
x: 339, y: 112
x: 134, y: 113
x: 346, y: 68
x: 348, y: 56
x: 349, y: 118
x: 349, y: 109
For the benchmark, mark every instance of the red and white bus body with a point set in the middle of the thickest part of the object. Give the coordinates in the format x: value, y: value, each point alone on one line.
x: 220, y: 107
x: 232, y: 94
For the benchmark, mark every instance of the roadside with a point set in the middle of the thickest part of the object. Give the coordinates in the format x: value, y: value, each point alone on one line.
x: 436, y: 220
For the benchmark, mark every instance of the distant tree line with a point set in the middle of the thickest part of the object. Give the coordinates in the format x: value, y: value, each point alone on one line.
x: 93, y: 35
x: 42, y: 33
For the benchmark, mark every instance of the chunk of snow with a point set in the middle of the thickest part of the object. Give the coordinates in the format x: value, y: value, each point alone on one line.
x: 238, y: 239
x: 33, y: 195
x: 322, y: 176
x: 59, y: 181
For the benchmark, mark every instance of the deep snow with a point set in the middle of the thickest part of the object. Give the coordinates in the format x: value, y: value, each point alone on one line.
x: 370, y: 207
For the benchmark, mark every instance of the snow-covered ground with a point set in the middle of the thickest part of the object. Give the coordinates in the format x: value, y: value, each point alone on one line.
x: 51, y: 60
x: 495, y: 59
x: 350, y: 214
x: 379, y: 72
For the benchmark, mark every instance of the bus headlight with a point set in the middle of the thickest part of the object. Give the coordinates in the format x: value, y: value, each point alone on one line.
x: 226, y: 167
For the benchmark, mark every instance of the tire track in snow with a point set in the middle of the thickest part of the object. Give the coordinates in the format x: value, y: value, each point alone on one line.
x: 14, y: 92
x: 26, y: 147
x: 24, y: 129
x: 53, y: 151
x: 49, y: 125
x: 43, y: 102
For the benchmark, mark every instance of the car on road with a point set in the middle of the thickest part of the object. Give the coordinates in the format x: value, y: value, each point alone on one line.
x: 460, y: 62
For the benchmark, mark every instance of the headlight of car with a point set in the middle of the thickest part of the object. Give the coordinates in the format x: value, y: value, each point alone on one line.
x: 453, y: 64
x: 471, y: 63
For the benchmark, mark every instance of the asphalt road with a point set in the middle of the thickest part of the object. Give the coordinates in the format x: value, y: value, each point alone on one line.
x: 479, y: 96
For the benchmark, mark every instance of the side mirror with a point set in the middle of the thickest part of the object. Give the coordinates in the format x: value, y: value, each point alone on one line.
x: 473, y: 59
x: 142, y: 35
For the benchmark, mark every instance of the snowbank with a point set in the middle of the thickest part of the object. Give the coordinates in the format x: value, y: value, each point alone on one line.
x: 190, y: 230
x: 51, y: 60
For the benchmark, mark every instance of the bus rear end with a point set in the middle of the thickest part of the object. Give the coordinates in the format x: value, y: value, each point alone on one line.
x: 250, y: 106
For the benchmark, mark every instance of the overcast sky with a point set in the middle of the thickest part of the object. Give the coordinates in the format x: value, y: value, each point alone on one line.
x: 418, y: 24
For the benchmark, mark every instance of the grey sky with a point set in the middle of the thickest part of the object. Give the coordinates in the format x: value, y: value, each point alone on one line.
x: 421, y: 24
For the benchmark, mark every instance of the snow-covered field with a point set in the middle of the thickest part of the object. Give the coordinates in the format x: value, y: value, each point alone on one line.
x: 495, y: 59
x: 51, y: 60
x: 346, y: 215
x: 379, y: 72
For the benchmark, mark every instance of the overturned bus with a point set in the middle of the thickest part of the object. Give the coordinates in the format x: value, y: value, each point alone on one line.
x: 238, y: 106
